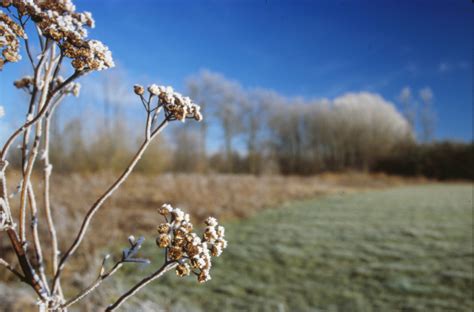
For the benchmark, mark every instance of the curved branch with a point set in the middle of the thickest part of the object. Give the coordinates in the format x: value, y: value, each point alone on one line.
x: 165, y: 268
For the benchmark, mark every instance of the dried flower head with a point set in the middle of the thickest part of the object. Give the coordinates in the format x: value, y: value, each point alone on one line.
x: 183, y: 269
x: 23, y: 83
x: 154, y: 89
x: 165, y: 209
x: 164, y: 228
x: 180, y: 107
x: 58, y: 21
x: 163, y: 240
x: 139, y: 90
x: 9, y: 43
x: 192, y: 251
x: 176, y: 106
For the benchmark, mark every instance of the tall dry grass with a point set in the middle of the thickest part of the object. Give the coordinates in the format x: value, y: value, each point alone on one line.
x: 133, y: 210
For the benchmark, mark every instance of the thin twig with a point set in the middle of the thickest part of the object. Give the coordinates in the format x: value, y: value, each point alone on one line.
x: 34, y: 92
x: 157, y: 274
x: 58, y: 66
x: 101, y: 278
x: 35, y: 234
x: 27, y: 45
x: 11, y: 269
x: 40, y: 38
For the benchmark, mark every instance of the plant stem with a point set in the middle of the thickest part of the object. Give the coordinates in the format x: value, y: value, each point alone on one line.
x: 165, y: 268
x: 30, y: 275
x: 11, y: 269
x: 43, y: 102
x: 93, y: 286
x: 46, y: 190
x: 35, y: 234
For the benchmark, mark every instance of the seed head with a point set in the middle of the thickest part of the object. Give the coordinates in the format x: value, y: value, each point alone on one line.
x: 186, y: 246
x: 163, y: 240
x: 183, y: 270
x: 164, y: 228
x: 165, y: 210
x: 139, y: 90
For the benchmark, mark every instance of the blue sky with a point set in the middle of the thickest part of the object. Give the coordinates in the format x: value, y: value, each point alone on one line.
x: 312, y: 49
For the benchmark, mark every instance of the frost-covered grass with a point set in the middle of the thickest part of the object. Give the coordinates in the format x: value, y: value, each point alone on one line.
x: 404, y: 249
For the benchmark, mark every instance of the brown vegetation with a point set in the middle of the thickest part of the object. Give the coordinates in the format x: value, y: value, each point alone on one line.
x: 133, y: 210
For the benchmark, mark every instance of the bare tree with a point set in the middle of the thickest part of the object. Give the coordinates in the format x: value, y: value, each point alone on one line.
x: 427, y: 115
x: 408, y: 106
x: 349, y: 132
x: 186, y: 151
x: 223, y: 99
x: 256, y: 106
x: 198, y: 89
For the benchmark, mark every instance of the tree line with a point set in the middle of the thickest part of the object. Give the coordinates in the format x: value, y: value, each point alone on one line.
x: 259, y: 131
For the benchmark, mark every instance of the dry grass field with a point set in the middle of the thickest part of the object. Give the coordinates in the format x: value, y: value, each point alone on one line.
x: 132, y: 208
x: 368, y: 242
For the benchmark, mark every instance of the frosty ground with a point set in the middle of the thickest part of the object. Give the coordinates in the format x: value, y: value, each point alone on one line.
x: 403, y: 249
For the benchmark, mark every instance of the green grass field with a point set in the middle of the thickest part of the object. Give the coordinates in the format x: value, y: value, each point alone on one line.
x: 403, y: 249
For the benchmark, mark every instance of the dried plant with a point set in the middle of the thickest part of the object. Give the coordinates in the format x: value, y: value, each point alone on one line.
x: 61, y: 34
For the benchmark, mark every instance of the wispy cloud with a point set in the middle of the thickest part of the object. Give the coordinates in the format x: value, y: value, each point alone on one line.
x: 410, y: 68
x: 445, y: 67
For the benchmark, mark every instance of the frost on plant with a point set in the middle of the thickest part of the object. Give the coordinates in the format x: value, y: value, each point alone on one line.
x: 65, y: 54
x: 192, y: 252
